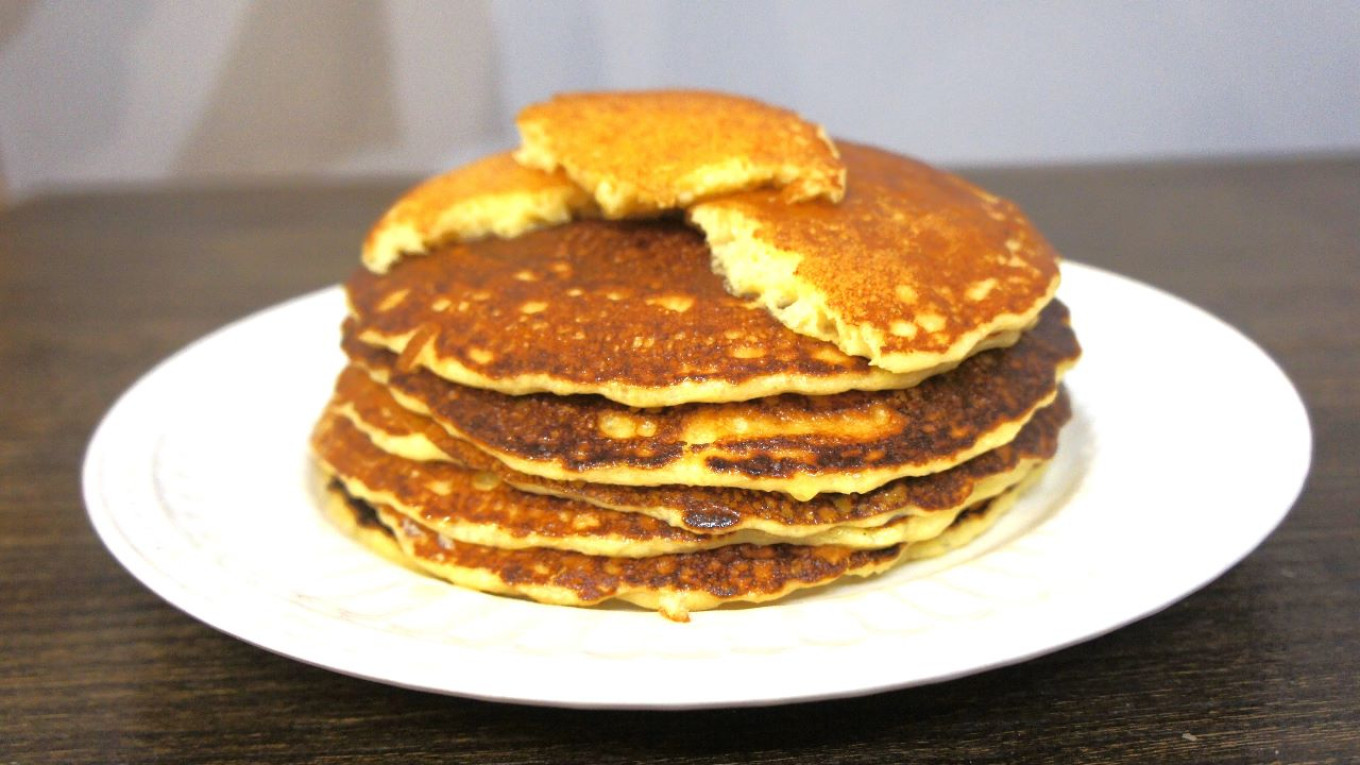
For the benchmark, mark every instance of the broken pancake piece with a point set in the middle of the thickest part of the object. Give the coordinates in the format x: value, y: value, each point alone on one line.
x: 643, y: 153
x: 629, y: 310
x: 911, y: 270
x: 492, y: 196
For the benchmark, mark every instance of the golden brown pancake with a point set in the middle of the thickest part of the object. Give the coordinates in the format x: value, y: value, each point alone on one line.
x: 911, y: 270
x: 359, y: 521
x: 643, y: 153
x: 802, y: 445
x: 400, y: 432
x: 492, y: 196
x: 673, y: 584
x: 477, y: 507
x: 627, y: 310
x: 971, y: 523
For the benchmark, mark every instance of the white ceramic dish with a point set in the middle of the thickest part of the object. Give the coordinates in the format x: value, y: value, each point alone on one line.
x: 198, y: 481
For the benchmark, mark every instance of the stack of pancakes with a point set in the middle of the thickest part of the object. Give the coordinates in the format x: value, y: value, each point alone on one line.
x: 682, y: 350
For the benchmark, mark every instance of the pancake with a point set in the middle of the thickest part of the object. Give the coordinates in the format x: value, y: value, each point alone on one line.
x: 359, y: 521
x: 911, y: 270
x: 627, y: 310
x: 971, y: 523
x: 804, y: 445
x: 674, y: 585
x: 478, y: 507
x: 492, y: 196
x: 396, y: 430
x: 643, y: 153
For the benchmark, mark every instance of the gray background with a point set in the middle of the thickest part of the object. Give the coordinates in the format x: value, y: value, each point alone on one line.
x: 194, y: 91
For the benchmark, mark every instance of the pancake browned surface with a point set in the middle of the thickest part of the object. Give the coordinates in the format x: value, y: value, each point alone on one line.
x: 642, y: 153
x: 673, y: 584
x: 477, y: 507
x: 628, y: 310
x: 716, y: 509
x: 912, y: 269
x: 492, y: 196
x: 802, y: 445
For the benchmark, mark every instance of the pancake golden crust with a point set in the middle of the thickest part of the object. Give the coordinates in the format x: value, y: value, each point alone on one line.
x: 492, y: 196
x: 641, y: 153
x: 673, y: 584
x: 717, y: 509
x: 627, y: 310
x: 912, y: 269
x: 971, y: 523
x: 803, y: 445
x: 476, y: 507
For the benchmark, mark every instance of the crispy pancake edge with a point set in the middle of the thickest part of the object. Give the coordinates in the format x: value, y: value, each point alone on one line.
x: 500, y: 427
x: 563, y: 578
x: 641, y: 153
x: 459, y: 504
x: 492, y: 196
x: 709, y: 510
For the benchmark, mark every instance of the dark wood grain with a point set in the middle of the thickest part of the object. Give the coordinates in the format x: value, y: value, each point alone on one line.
x: 1261, y: 666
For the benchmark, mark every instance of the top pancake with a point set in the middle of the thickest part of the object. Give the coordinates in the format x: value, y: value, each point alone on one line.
x: 629, y: 310
x: 642, y: 153
x: 492, y: 196
x: 912, y: 269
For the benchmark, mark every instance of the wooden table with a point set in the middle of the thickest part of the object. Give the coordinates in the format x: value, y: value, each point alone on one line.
x: 1261, y: 666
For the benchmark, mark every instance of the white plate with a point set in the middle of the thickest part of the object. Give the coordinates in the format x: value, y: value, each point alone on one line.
x: 1187, y: 447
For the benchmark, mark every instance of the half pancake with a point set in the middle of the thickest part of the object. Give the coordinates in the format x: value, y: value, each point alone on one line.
x: 802, y: 445
x: 492, y: 196
x: 627, y: 310
x: 673, y: 584
x: 911, y: 270
x: 708, y: 510
x: 643, y: 153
